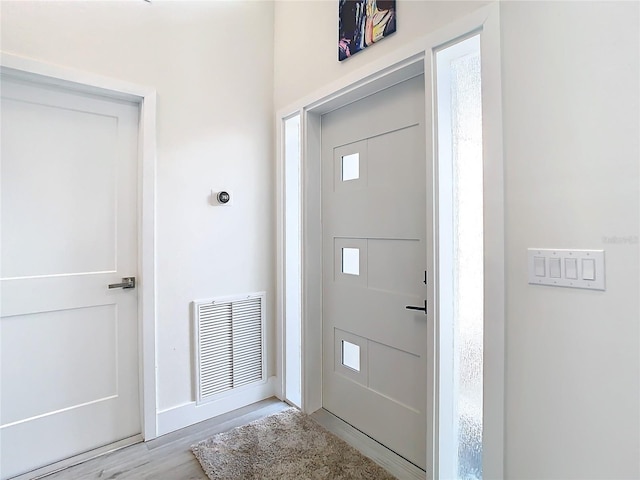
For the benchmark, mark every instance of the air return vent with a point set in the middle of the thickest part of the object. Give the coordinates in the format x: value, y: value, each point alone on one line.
x: 229, y: 343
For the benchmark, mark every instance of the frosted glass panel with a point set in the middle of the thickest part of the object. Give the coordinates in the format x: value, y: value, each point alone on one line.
x: 293, y: 256
x: 351, y: 355
x: 351, y: 261
x: 351, y: 167
x: 461, y: 259
x: 466, y: 109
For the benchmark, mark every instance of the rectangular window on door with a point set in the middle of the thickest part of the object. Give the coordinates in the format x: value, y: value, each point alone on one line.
x: 351, y: 167
x: 351, y: 355
x: 351, y: 261
x: 460, y: 167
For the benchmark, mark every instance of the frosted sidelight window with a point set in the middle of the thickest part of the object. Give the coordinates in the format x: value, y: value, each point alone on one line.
x: 351, y: 167
x: 292, y: 261
x: 460, y: 164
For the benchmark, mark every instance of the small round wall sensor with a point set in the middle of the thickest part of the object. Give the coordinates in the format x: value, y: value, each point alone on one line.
x: 224, y: 197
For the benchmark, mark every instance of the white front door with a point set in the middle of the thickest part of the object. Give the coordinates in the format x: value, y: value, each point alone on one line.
x: 69, y: 344
x: 374, y: 211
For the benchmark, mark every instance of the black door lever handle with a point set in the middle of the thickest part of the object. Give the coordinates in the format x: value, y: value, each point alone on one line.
x: 422, y: 309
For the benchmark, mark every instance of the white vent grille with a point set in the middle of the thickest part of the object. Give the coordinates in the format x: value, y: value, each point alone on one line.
x: 229, y: 344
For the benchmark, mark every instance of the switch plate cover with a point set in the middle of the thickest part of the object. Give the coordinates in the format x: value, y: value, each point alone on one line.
x: 568, y: 268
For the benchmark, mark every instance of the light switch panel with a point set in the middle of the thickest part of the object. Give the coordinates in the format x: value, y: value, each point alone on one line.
x: 567, y: 268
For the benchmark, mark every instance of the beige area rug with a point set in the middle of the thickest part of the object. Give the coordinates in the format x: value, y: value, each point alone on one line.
x: 287, y: 445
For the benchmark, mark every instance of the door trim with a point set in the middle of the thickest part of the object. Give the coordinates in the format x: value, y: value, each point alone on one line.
x: 404, y: 63
x: 49, y: 74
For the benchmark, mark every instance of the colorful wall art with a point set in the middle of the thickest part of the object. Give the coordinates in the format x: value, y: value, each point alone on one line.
x: 361, y: 23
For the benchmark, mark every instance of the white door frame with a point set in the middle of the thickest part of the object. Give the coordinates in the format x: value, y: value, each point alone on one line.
x: 402, y: 64
x: 48, y: 74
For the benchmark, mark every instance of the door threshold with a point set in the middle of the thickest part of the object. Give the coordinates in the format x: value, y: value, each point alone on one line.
x: 387, y: 459
x: 78, y: 459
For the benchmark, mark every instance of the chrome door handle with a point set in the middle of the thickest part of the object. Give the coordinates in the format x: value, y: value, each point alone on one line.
x: 127, y: 282
x: 421, y: 309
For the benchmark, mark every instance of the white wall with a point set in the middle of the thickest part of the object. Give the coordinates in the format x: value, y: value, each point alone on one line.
x: 212, y: 66
x: 571, y: 137
x: 306, y: 41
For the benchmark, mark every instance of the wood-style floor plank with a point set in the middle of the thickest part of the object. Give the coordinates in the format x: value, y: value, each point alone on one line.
x: 168, y: 457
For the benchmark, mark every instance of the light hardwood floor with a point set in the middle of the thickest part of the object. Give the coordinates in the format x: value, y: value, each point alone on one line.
x: 168, y: 457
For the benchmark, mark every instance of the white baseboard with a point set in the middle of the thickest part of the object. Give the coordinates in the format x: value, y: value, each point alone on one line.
x: 190, y: 413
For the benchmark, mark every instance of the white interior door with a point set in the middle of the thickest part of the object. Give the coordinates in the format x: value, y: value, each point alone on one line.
x: 69, y: 344
x: 374, y: 211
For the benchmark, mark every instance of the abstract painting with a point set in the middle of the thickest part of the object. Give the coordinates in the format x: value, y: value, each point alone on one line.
x: 361, y: 23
